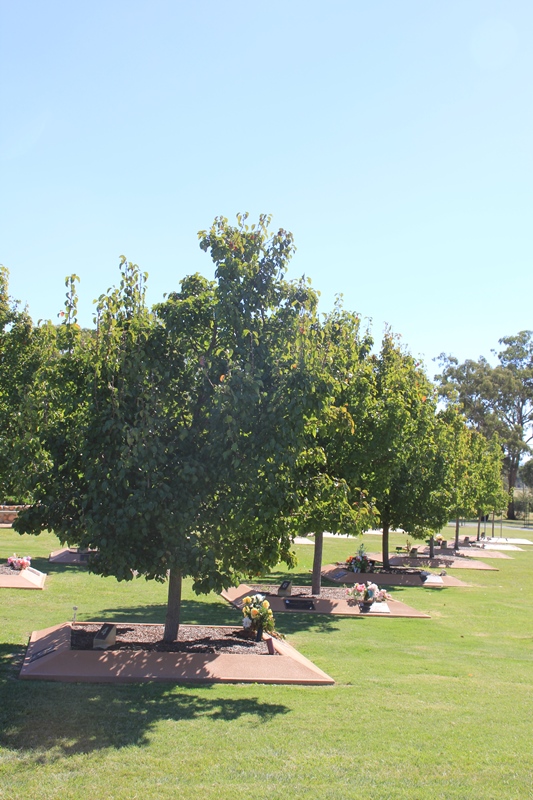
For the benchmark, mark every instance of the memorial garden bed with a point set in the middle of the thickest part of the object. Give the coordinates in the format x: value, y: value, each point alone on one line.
x: 202, y: 657
x: 332, y: 600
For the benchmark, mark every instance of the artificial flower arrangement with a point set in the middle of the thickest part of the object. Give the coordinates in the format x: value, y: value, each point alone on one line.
x: 367, y: 593
x: 258, y: 615
x: 360, y: 562
x: 19, y: 562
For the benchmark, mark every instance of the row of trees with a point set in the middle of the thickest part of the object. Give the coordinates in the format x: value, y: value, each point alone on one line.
x: 200, y: 436
x: 497, y: 399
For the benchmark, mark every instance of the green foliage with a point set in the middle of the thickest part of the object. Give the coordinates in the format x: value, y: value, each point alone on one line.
x: 327, y: 479
x: 22, y: 349
x: 497, y: 400
x: 526, y: 473
x: 402, y: 461
x: 166, y: 440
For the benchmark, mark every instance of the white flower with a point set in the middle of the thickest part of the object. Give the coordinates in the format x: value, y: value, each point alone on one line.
x: 246, y: 622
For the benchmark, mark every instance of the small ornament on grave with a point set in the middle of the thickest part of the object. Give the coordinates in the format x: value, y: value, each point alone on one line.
x: 285, y: 589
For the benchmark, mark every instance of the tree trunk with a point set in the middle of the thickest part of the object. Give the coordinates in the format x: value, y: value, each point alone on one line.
x: 457, y: 533
x: 172, y: 620
x: 385, y: 545
x: 493, y: 524
x: 479, y: 527
x: 431, y: 547
x: 317, y: 563
x: 512, y: 476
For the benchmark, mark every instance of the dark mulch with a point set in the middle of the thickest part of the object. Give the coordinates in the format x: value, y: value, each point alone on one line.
x: 395, y: 571
x: 392, y: 570
x: 326, y: 592
x: 7, y: 569
x: 191, y: 639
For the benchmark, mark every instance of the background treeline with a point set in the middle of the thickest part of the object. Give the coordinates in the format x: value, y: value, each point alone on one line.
x: 198, y: 437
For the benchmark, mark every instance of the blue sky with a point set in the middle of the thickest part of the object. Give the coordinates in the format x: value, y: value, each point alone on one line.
x: 394, y: 139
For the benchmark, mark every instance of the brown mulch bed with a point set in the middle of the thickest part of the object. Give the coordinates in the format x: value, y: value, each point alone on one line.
x: 326, y: 592
x: 5, y: 569
x: 191, y: 639
x: 394, y: 569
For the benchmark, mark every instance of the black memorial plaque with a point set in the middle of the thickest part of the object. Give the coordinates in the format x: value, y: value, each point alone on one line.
x: 299, y: 604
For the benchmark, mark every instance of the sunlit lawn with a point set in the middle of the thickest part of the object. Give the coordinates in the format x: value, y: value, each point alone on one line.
x: 438, y: 708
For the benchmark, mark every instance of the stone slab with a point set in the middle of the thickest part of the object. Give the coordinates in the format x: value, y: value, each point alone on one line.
x: 434, y: 580
x: 236, y: 594
x: 490, y: 546
x: 69, y: 555
x: 501, y: 540
x: 49, y: 657
x: 28, y: 578
x: 335, y: 573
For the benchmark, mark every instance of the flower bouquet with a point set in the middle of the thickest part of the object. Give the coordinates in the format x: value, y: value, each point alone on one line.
x: 257, y: 615
x: 366, y: 594
x: 19, y: 562
x: 360, y: 562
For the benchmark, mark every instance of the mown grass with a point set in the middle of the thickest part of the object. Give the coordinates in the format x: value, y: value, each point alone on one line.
x: 437, y: 708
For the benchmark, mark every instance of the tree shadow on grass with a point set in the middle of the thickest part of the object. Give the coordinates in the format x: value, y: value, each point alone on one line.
x: 47, y: 721
x: 55, y: 567
x: 196, y: 612
x: 277, y: 576
x: 193, y: 612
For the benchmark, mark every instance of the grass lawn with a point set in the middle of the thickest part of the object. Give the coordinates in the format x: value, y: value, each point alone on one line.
x: 438, y: 708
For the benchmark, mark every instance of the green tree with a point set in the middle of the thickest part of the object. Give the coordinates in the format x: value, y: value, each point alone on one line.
x: 497, y: 399
x: 22, y: 348
x: 403, y: 460
x: 170, y: 437
x: 475, y: 470
x: 489, y: 493
x: 330, y: 496
x: 526, y: 473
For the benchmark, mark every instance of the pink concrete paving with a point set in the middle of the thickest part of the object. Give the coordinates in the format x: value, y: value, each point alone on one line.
x: 236, y: 594
x: 28, y: 578
x: 338, y: 574
x: 441, y: 562
x: 49, y: 657
x: 69, y: 555
x: 463, y: 552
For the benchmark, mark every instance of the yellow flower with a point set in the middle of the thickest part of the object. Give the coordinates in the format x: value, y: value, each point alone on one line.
x: 255, y: 612
x: 265, y: 604
x: 245, y: 609
x: 247, y: 600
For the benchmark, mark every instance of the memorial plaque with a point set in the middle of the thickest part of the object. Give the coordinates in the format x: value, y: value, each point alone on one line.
x: 106, y: 637
x: 41, y: 653
x: 340, y: 574
x: 299, y: 604
x: 84, y: 556
x: 285, y: 589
